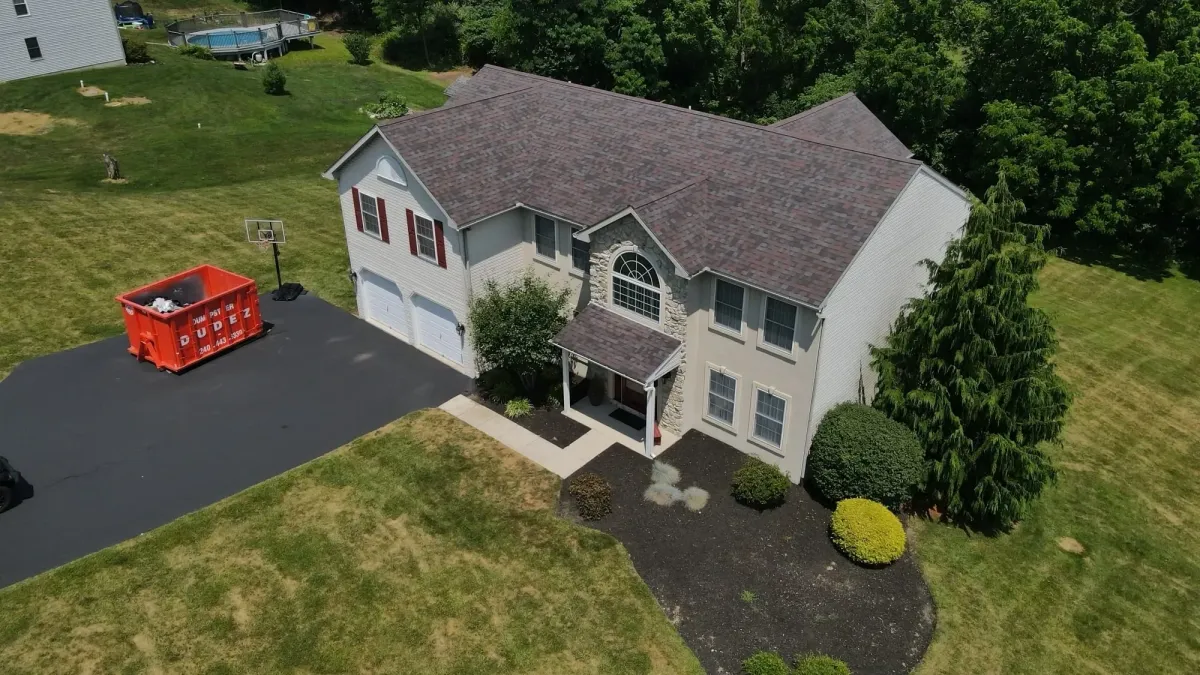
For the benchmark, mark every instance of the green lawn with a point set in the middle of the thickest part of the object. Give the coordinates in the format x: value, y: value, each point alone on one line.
x: 69, y: 243
x: 1129, y: 492
x: 401, y: 552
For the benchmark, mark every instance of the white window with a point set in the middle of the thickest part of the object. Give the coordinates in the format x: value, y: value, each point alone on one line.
x: 581, y: 253
x: 779, y: 324
x: 635, y: 285
x: 769, y: 413
x: 390, y: 170
x: 544, y: 237
x: 722, y: 396
x: 426, y: 244
x: 21, y: 8
x: 34, y: 49
x: 370, y: 213
x: 727, y: 305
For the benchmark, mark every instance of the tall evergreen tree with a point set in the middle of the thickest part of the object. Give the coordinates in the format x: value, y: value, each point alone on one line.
x: 969, y: 367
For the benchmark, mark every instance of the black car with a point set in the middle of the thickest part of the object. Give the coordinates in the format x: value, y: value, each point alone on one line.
x: 9, y: 479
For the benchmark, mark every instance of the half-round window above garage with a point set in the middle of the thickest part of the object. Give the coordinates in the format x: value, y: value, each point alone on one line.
x: 390, y: 170
x: 635, y: 285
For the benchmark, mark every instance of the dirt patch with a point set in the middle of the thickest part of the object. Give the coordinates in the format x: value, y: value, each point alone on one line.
x: 90, y: 91
x: 449, y: 76
x: 25, y: 123
x: 114, y: 181
x: 127, y: 100
x: 1071, y: 545
x: 445, y: 636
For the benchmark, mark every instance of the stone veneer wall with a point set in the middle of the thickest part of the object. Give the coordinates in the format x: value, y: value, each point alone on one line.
x: 624, y: 234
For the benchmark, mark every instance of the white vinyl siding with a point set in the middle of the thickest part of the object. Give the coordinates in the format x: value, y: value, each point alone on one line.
x: 770, y: 412
x: 62, y: 36
x: 779, y: 324
x: 544, y: 238
x: 370, y: 213
x: 722, y: 397
x: 728, y: 305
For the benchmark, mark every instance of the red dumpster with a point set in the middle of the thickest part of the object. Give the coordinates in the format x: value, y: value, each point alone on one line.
x: 217, y: 310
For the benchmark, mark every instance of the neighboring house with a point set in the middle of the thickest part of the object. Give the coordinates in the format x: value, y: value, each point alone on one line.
x: 39, y: 37
x: 729, y: 277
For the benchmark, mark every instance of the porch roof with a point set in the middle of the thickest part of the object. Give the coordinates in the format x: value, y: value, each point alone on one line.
x: 621, y: 345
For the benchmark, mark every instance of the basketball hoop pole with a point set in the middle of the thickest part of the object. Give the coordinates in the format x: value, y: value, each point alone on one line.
x: 278, y: 274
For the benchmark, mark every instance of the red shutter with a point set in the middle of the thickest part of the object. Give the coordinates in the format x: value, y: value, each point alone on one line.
x: 383, y: 233
x: 412, y: 232
x: 357, y: 208
x: 440, y: 238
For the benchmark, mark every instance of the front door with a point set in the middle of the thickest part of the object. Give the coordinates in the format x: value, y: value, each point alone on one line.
x: 629, y: 394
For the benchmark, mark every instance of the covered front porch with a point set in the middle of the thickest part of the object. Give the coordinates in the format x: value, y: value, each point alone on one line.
x: 624, y: 364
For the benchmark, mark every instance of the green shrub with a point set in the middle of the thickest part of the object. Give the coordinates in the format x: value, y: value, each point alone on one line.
x: 759, y: 484
x: 592, y: 495
x: 820, y: 664
x: 859, y: 452
x: 765, y: 663
x: 511, y: 326
x: 867, y: 532
x: 498, y: 386
x: 359, y: 46
x: 135, y: 52
x: 273, y: 80
x: 518, y: 407
x: 197, y: 52
x: 391, y: 104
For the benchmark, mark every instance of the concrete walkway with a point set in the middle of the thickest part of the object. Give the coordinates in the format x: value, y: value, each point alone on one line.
x: 561, y: 461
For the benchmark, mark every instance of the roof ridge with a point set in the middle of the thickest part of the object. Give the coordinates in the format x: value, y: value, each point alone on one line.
x: 820, y: 106
x: 748, y: 125
x: 671, y: 191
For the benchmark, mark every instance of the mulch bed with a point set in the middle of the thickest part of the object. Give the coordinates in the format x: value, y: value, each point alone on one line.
x: 550, y: 424
x: 807, y: 595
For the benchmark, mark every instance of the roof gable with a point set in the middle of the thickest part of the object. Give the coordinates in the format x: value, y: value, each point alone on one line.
x: 844, y: 121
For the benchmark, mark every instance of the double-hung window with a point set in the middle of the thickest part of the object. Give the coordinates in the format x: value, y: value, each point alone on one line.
x: 727, y: 305
x: 34, y: 49
x: 722, y: 396
x: 544, y: 239
x: 581, y: 253
x: 779, y: 324
x: 769, y: 412
x: 426, y: 244
x: 20, y: 7
x: 370, y: 213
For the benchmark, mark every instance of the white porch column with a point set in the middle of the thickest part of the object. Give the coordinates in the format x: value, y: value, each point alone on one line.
x: 566, y: 367
x: 650, y: 407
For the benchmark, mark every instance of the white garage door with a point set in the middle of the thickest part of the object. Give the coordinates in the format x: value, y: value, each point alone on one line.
x: 437, y: 329
x: 384, y: 303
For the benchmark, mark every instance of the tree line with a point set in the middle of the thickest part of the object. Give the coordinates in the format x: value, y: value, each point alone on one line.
x: 1089, y: 107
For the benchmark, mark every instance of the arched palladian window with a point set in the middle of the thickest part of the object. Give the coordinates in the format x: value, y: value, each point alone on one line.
x: 635, y: 285
x: 389, y: 169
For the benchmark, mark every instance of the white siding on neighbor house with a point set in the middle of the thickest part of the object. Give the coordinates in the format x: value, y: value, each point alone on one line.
x: 884, y: 275
x: 413, y: 275
x: 750, y: 362
x: 72, y: 34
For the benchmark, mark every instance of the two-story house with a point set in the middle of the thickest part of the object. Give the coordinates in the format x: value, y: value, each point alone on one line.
x: 728, y: 277
x: 39, y: 37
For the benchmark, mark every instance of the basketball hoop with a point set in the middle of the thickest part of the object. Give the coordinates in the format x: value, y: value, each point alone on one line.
x: 267, y: 235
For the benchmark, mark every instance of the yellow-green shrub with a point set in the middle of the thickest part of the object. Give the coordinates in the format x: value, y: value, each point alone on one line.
x: 867, y: 532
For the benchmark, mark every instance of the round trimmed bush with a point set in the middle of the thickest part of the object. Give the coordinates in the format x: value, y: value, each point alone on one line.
x: 592, y: 494
x: 359, y: 46
x: 765, y: 663
x: 759, y: 484
x: 820, y: 664
x: 867, y: 532
x: 860, y: 452
x: 273, y: 80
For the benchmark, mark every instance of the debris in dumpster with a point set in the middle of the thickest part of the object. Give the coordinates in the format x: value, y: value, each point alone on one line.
x: 289, y: 291
x: 165, y: 305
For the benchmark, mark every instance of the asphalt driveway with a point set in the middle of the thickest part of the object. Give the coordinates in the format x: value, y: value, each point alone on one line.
x: 114, y: 448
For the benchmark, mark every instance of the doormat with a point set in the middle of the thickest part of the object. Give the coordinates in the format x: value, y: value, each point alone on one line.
x: 628, y: 419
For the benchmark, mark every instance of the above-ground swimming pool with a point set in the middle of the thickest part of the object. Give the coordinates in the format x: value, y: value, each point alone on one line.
x: 218, y: 39
x: 238, y: 34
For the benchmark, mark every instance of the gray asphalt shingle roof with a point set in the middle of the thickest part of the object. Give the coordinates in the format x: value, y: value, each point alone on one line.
x: 619, y: 344
x: 847, y: 122
x: 755, y: 203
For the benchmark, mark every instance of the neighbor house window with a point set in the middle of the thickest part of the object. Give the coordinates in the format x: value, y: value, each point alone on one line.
x: 768, y: 417
x: 581, y: 253
x: 727, y: 307
x: 426, y: 245
x: 635, y: 285
x: 722, y: 393
x: 370, y: 213
x: 31, y: 46
x: 544, y: 236
x: 21, y: 8
x: 779, y: 324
